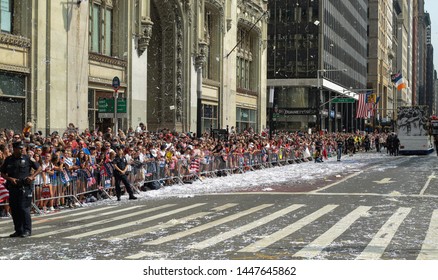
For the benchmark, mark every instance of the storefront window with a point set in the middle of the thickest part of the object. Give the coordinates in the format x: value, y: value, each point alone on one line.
x: 246, y: 119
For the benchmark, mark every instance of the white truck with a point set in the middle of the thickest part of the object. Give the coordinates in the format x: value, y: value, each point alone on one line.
x: 413, y: 130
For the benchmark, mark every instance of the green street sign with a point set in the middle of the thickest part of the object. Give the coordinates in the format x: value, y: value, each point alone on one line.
x: 343, y: 100
x: 106, y: 105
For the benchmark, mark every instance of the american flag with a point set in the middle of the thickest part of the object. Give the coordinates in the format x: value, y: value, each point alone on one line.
x: 4, y: 193
x: 364, y: 110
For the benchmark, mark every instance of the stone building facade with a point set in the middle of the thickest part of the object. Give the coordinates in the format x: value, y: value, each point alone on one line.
x: 184, y: 65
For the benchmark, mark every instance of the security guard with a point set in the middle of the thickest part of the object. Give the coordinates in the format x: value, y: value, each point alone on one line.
x: 16, y: 169
x: 120, y: 167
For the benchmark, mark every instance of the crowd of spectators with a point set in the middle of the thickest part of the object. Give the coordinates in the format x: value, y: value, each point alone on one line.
x: 74, y: 151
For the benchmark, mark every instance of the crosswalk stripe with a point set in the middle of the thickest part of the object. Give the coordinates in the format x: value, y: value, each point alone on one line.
x: 73, y: 212
x: 6, y: 221
x: 429, y: 249
x: 378, y: 244
x: 85, y: 217
x: 315, y: 247
x: 168, y: 224
x: 240, y: 230
x: 100, y: 222
x: 224, y: 207
x: 104, y: 214
x: 206, y: 226
x: 51, y: 216
x: 136, y: 222
x: 278, y: 235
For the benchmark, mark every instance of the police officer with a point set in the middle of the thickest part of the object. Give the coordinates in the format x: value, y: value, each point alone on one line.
x: 17, y: 171
x: 120, y: 167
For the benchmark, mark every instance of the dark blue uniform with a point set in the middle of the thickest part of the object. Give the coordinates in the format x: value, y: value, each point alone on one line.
x: 20, y: 193
x: 121, y: 163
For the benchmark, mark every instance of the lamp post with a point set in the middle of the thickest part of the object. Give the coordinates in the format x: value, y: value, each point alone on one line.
x: 320, y: 77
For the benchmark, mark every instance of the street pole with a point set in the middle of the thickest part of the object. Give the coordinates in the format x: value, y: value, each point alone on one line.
x: 319, y: 77
x: 116, y: 95
x: 116, y: 86
x: 271, y: 111
x: 318, y: 102
x: 199, y: 103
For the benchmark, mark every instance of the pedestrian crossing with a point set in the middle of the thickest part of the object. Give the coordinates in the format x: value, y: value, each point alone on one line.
x: 303, y: 231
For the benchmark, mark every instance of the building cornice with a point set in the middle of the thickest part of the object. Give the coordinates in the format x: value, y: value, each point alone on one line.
x: 15, y: 40
x: 107, y: 59
x: 14, y: 68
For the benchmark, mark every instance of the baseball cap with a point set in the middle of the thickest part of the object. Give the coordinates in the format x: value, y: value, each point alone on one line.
x: 18, y: 145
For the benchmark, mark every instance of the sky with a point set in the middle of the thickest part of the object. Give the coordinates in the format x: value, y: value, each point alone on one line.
x: 431, y: 6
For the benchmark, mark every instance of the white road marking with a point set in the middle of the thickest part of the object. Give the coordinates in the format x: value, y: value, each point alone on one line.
x: 206, y: 226
x: 103, y: 221
x: 429, y: 250
x: 381, y: 240
x: 133, y: 223
x: 240, y: 230
x: 423, y: 190
x: 169, y: 224
x: 315, y: 247
x: 278, y: 235
x: 36, y: 219
x: 336, y: 183
x: 384, y: 181
x: 105, y: 214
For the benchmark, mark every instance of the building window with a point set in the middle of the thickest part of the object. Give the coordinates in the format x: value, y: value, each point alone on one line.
x: 246, y: 119
x: 209, y: 117
x: 92, y: 110
x: 12, y: 100
x: 6, y: 15
x: 100, y: 28
x: 211, y: 36
x: 12, y: 84
x: 244, y: 60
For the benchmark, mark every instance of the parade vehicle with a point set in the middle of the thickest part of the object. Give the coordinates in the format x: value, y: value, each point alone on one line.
x: 413, y: 130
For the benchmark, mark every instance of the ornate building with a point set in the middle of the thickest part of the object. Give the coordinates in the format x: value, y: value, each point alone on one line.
x: 182, y: 64
x: 380, y: 59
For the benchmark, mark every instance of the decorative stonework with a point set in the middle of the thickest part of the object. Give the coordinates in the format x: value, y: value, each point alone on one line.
x: 188, y: 9
x: 145, y: 36
x: 202, y: 54
x: 14, y: 68
x: 107, y: 59
x: 14, y: 40
x: 219, y: 6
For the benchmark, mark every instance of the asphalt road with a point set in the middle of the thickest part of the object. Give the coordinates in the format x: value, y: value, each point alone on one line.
x: 388, y: 210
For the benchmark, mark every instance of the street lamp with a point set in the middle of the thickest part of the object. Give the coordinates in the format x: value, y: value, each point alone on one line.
x: 320, y: 87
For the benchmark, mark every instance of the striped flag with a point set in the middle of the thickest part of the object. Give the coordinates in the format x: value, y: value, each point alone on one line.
x: 364, y: 110
x: 398, y: 80
x: 4, y: 193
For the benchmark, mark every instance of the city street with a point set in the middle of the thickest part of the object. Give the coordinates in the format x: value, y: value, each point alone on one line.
x: 369, y: 207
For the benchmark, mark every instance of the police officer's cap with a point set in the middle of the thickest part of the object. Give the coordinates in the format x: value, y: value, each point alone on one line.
x: 18, y: 145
